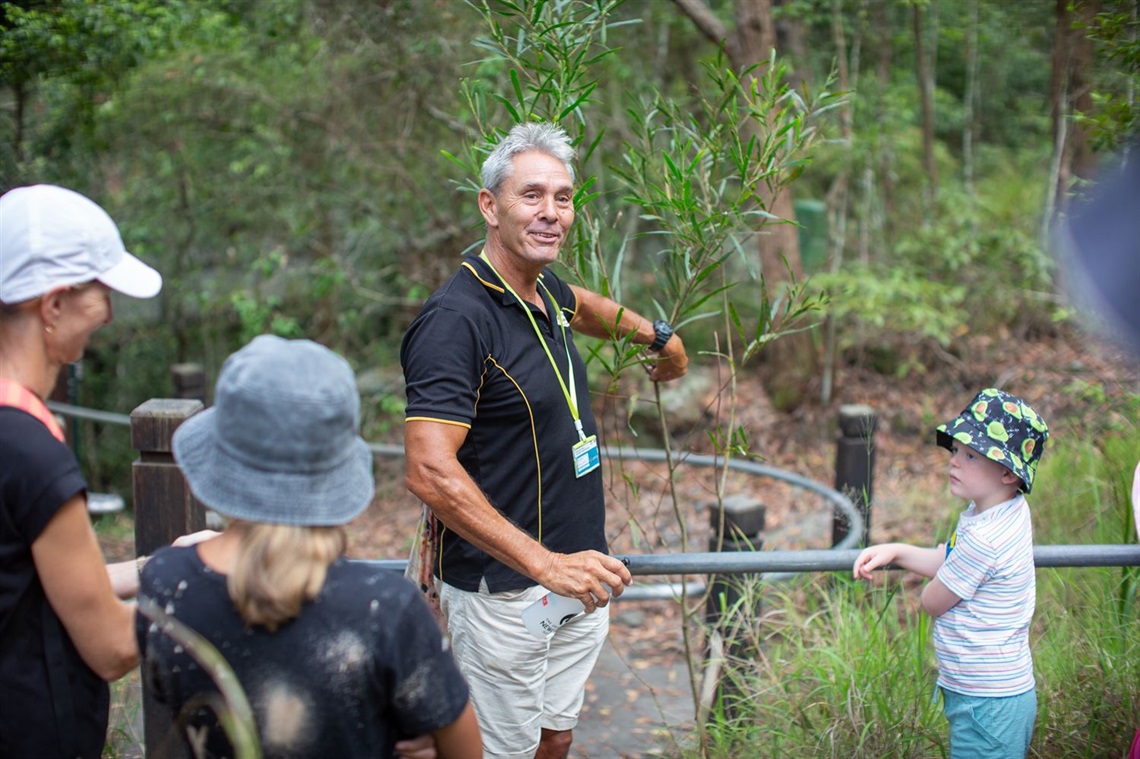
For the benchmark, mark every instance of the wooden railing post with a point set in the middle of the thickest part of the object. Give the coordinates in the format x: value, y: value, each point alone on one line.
x: 855, y: 466
x: 743, y: 519
x: 743, y: 530
x: 189, y: 381
x: 164, y: 510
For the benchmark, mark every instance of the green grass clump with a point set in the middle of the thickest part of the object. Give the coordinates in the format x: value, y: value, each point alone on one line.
x: 845, y: 670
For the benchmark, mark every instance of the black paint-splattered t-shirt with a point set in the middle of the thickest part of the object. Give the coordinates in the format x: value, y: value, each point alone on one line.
x: 362, y: 666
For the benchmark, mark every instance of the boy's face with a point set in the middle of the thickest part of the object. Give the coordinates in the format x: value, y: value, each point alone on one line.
x: 979, y: 479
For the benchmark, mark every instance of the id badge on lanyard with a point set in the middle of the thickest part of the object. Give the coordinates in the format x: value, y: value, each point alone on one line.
x: 586, y: 456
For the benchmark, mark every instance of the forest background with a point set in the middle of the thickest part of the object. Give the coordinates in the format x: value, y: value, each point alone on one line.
x: 306, y: 168
x: 281, y: 162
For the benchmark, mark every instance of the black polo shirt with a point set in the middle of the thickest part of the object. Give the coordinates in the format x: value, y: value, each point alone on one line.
x: 472, y: 358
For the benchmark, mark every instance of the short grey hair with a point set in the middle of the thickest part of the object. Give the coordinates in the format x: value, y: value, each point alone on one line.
x: 541, y: 136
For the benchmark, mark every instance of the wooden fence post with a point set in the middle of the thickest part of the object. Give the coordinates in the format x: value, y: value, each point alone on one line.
x: 855, y: 466
x: 743, y: 519
x: 189, y: 381
x: 164, y: 510
x: 743, y: 531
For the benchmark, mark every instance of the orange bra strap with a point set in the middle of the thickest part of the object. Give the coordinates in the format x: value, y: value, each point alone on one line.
x: 16, y: 395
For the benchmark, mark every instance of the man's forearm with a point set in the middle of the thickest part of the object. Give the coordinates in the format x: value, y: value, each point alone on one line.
x: 598, y: 316
x: 459, y: 503
x: 434, y: 475
x: 601, y: 317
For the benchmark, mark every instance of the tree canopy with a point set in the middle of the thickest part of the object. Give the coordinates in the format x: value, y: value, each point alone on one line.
x: 302, y: 167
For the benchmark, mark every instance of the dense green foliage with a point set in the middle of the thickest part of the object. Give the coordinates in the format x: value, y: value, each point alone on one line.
x: 284, y: 162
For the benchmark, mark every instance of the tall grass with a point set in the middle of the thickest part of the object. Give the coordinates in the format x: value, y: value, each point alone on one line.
x: 1087, y: 626
x: 841, y: 669
x: 125, y: 726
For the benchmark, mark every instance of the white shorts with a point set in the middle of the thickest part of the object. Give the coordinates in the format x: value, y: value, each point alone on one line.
x: 520, y: 684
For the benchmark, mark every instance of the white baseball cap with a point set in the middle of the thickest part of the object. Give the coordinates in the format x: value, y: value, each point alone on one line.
x: 54, y: 237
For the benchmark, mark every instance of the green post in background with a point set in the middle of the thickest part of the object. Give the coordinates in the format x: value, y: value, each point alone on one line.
x: 812, y: 218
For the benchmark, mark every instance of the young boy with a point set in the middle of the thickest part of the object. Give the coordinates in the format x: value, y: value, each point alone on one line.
x: 983, y: 590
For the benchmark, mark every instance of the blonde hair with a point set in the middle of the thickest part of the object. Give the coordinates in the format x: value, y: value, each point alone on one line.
x: 279, y: 568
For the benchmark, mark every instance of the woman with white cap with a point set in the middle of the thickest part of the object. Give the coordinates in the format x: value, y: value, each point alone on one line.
x: 64, y: 631
x: 337, y: 658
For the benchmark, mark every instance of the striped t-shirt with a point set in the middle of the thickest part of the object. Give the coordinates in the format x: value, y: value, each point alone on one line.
x: 982, y: 643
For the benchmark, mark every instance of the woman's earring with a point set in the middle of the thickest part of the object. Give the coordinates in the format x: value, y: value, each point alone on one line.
x: 49, y: 328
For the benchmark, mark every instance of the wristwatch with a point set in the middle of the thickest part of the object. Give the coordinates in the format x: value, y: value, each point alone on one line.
x: 662, y: 331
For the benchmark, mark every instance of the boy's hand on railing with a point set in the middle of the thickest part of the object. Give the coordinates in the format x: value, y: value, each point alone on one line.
x: 871, y: 558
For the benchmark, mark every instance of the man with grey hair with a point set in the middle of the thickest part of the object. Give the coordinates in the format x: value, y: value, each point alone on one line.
x: 502, y: 446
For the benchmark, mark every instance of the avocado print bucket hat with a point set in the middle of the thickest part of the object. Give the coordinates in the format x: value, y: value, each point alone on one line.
x: 1003, y: 428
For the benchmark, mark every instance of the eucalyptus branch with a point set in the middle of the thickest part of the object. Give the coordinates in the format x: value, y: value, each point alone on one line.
x: 698, y: 179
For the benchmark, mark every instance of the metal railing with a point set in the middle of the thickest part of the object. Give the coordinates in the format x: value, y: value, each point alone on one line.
x: 831, y: 560
x: 780, y: 565
x: 94, y: 415
x: 772, y: 564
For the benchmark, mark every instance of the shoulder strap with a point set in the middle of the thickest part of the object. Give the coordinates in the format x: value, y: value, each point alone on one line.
x: 17, y: 396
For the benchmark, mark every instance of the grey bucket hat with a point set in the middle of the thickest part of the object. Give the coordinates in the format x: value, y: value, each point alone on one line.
x: 280, y: 445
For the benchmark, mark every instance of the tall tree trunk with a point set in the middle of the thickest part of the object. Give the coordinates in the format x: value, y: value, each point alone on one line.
x: 1058, y: 113
x: 925, y: 87
x: 791, y: 38
x: 968, y: 121
x: 1058, y: 77
x: 1080, y: 87
x: 1070, y: 92
x: 880, y: 23
x: 837, y: 196
x: 793, y: 360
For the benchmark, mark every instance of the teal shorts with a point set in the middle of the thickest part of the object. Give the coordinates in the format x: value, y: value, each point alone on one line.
x: 990, y: 728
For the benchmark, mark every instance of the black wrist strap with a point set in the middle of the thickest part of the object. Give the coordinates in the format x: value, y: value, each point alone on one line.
x: 662, y: 332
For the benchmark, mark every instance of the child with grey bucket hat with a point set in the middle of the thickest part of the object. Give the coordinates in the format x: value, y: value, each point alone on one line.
x: 337, y: 658
x: 983, y: 590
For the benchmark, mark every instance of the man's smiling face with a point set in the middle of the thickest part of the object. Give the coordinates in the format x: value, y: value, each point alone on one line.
x: 533, y: 211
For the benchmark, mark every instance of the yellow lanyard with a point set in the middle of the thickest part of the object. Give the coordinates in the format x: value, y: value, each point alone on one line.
x: 570, y: 394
